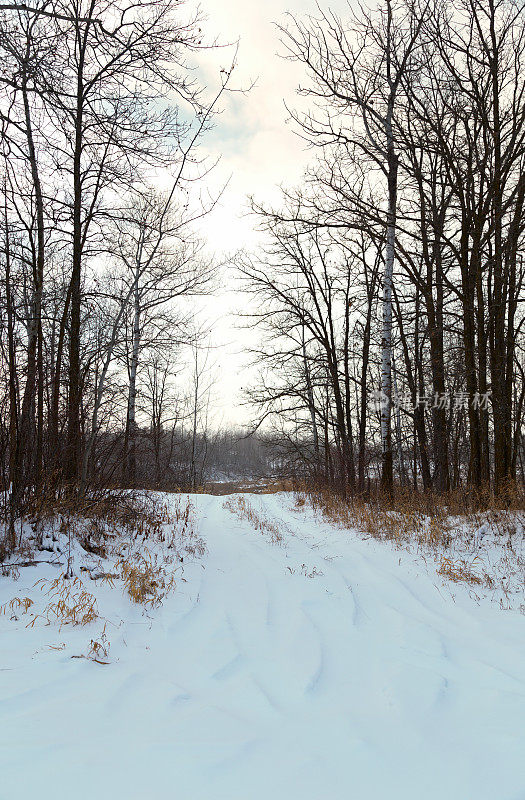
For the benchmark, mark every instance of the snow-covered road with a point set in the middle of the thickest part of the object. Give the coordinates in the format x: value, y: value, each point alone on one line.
x: 327, y: 667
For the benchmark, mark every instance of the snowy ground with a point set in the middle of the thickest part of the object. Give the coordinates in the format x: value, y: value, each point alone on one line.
x: 324, y: 667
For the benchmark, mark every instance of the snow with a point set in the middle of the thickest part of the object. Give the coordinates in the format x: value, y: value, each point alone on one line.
x: 324, y: 666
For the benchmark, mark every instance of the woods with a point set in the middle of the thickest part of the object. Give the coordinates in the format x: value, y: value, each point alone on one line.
x: 96, y: 98
x: 411, y: 212
x: 387, y: 291
x: 262, y: 399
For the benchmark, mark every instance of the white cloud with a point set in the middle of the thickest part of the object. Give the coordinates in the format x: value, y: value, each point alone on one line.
x: 259, y: 150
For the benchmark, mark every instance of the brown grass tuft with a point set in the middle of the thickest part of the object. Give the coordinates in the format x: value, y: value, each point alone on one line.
x: 459, y: 570
x: 145, y: 580
x: 69, y: 602
x: 472, y: 544
x: 17, y: 604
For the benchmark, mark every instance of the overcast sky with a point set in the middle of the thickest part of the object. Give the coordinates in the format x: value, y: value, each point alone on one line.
x: 258, y: 149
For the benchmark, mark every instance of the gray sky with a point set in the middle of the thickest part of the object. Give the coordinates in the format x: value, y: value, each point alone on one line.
x: 259, y: 150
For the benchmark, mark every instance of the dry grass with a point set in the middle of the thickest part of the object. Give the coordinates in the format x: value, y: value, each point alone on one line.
x: 155, y: 549
x: 138, y: 542
x: 262, y: 486
x: 406, y: 522
x: 18, y: 605
x: 94, y: 522
x: 145, y: 580
x: 99, y: 649
x: 478, y: 545
x: 69, y: 603
x: 459, y: 570
x: 244, y: 510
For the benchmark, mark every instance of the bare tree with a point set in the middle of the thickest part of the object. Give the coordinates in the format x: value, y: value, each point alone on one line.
x: 357, y: 72
x: 161, y: 260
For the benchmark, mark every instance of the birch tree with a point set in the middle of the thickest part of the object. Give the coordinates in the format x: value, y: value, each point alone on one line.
x: 356, y: 72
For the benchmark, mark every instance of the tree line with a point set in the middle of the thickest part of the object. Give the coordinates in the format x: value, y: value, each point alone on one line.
x: 390, y: 288
x: 98, y: 98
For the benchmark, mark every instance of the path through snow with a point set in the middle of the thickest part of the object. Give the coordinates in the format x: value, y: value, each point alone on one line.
x: 367, y: 680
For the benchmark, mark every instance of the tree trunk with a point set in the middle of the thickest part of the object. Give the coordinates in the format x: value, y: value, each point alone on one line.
x: 26, y: 439
x: 311, y: 408
x: 387, y: 477
x: 131, y: 470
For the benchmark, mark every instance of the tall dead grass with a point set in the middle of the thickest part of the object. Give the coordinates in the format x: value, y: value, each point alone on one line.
x: 474, y: 540
x: 136, y: 541
x: 146, y: 580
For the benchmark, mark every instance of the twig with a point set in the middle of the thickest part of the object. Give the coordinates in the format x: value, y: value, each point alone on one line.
x: 31, y: 564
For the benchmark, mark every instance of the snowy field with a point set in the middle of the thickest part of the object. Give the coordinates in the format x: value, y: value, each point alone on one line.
x: 295, y: 661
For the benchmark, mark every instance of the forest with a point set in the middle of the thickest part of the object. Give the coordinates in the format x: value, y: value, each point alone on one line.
x: 389, y: 286
x: 314, y: 588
